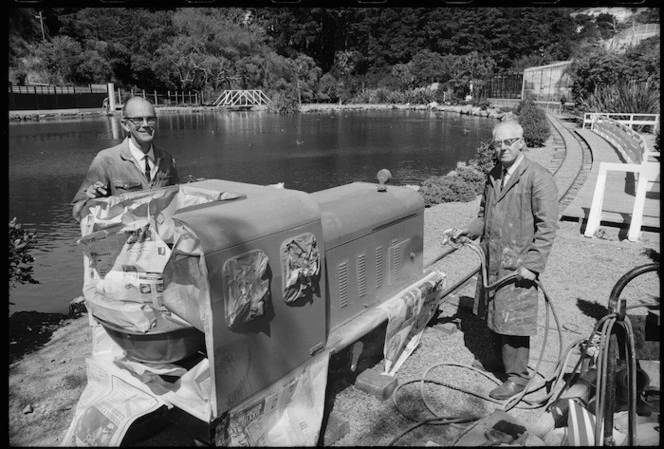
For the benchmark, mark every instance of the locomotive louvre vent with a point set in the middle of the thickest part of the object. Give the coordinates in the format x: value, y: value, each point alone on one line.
x: 342, y: 273
x: 395, y: 253
x: 361, y: 274
x: 379, y: 266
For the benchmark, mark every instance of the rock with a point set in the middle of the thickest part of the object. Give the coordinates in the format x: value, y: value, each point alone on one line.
x: 77, y: 307
x: 28, y: 409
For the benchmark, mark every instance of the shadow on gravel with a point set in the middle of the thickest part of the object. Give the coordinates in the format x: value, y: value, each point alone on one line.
x: 591, y: 308
x: 477, y: 336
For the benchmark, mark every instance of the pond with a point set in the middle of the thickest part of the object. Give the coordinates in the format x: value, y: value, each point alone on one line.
x: 307, y: 152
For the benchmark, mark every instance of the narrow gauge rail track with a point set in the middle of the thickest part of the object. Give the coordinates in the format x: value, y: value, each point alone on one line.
x: 566, y: 165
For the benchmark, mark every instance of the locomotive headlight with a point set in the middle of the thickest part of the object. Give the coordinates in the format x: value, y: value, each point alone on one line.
x: 384, y: 177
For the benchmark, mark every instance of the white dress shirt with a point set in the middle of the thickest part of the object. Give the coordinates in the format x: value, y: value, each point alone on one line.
x: 140, y: 156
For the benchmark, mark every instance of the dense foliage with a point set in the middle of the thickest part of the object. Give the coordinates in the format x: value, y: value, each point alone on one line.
x: 462, y: 184
x: 624, y: 96
x: 533, y: 120
x: 20, y: 260
x: 600, y: 69
x: 305, y: 54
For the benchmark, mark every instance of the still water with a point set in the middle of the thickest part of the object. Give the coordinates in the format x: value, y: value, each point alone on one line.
x: 308, y: 152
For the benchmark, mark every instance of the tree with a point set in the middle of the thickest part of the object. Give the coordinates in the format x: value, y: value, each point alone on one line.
x: 468, y: 69
x: 428, y: 67
x: 62, y: 57
x: 306, y: 74
x: 327, y: 88
x: 403, y: 73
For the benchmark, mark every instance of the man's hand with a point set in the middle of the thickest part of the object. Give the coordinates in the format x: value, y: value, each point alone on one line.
x: 453, y: 234
x: 524, y: 274
x: 95, y: 190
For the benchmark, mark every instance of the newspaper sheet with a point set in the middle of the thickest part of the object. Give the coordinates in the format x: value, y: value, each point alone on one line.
x: 288, y: 413
x: 106, y: 409
x: 408, y: 313
x: 121, y: 390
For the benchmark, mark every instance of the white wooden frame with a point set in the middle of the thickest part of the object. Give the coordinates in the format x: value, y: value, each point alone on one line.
x: 648, y: 171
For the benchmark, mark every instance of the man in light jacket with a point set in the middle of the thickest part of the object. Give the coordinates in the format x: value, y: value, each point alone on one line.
x: 517, y: 223
x: 134, y: 164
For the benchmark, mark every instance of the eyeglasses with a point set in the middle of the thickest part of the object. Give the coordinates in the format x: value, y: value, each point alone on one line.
x: 498, y: 144
x: 138, y: 121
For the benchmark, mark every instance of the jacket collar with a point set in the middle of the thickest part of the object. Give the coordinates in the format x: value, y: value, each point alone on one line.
x: 514, y: 177
x: 125, y: 152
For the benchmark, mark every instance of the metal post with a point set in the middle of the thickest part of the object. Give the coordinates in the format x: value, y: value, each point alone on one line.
x: 155, y: 98
x: 111, y: 97
x: 41, y: 23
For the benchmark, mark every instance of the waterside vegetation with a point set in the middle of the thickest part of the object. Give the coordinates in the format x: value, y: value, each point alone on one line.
x: 336, y: 55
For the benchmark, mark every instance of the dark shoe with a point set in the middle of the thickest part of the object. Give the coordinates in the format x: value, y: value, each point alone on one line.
x: 491, y: 366
x: 506, y: 390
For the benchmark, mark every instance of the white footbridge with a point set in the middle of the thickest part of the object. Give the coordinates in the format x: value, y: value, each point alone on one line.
x: 241, y: 99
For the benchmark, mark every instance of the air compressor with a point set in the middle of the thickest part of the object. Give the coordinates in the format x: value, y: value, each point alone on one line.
x: 255, y: 281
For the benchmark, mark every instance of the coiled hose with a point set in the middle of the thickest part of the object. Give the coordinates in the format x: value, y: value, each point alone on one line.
x: 513, y: 401
x: 606, y: 366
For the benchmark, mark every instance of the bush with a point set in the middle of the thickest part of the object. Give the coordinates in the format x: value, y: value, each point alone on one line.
x: 462, y: 184
x: 485, y: 157
x: 20, y: 244
x: 283, y: 104
x: 535, y: 125
x: 624, y: 96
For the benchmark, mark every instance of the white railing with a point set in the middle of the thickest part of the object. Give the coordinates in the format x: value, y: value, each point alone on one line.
x: 631, y: 145
x: 641, y: 160
x: 629, y: 119
x: 647, y: 173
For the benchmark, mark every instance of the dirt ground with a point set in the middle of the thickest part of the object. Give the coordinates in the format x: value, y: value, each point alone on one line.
x: 45, y: 384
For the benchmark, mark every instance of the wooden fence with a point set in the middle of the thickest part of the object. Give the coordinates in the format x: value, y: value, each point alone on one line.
x: 49, y: 97
x: 169, y: 98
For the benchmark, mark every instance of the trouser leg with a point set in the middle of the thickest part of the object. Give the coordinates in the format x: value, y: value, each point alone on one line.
x: 496, y: 345
x: 516, y: 353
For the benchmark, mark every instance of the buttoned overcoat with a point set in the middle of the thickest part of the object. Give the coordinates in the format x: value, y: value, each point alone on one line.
x: 517, y: 225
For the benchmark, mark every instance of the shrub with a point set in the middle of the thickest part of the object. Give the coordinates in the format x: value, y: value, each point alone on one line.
x: 624, y: 96
x: 283, y: 104
x: 20, y: 244
x: 463, y: 184
x: 473, y: 177
x: 485, y: 157
x: 533, y: 120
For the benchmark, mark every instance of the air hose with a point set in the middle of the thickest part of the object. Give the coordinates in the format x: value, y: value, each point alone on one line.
x: 605, y: 377
x: 513, y: 401
x: 608, y: 358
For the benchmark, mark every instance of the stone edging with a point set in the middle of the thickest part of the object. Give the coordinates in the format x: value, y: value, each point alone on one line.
x: 17, y: 116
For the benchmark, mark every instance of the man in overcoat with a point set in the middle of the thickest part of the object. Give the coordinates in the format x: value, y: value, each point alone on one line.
x: 517, y: 223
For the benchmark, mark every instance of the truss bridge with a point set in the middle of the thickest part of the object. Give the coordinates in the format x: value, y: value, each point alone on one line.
x: 241, y: 99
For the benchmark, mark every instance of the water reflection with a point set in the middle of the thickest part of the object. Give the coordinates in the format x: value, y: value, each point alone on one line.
x: 308, y: 152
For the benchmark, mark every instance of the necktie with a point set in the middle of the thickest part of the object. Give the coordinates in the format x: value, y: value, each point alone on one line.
x: 147, y: 168
x: 503, y: 180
